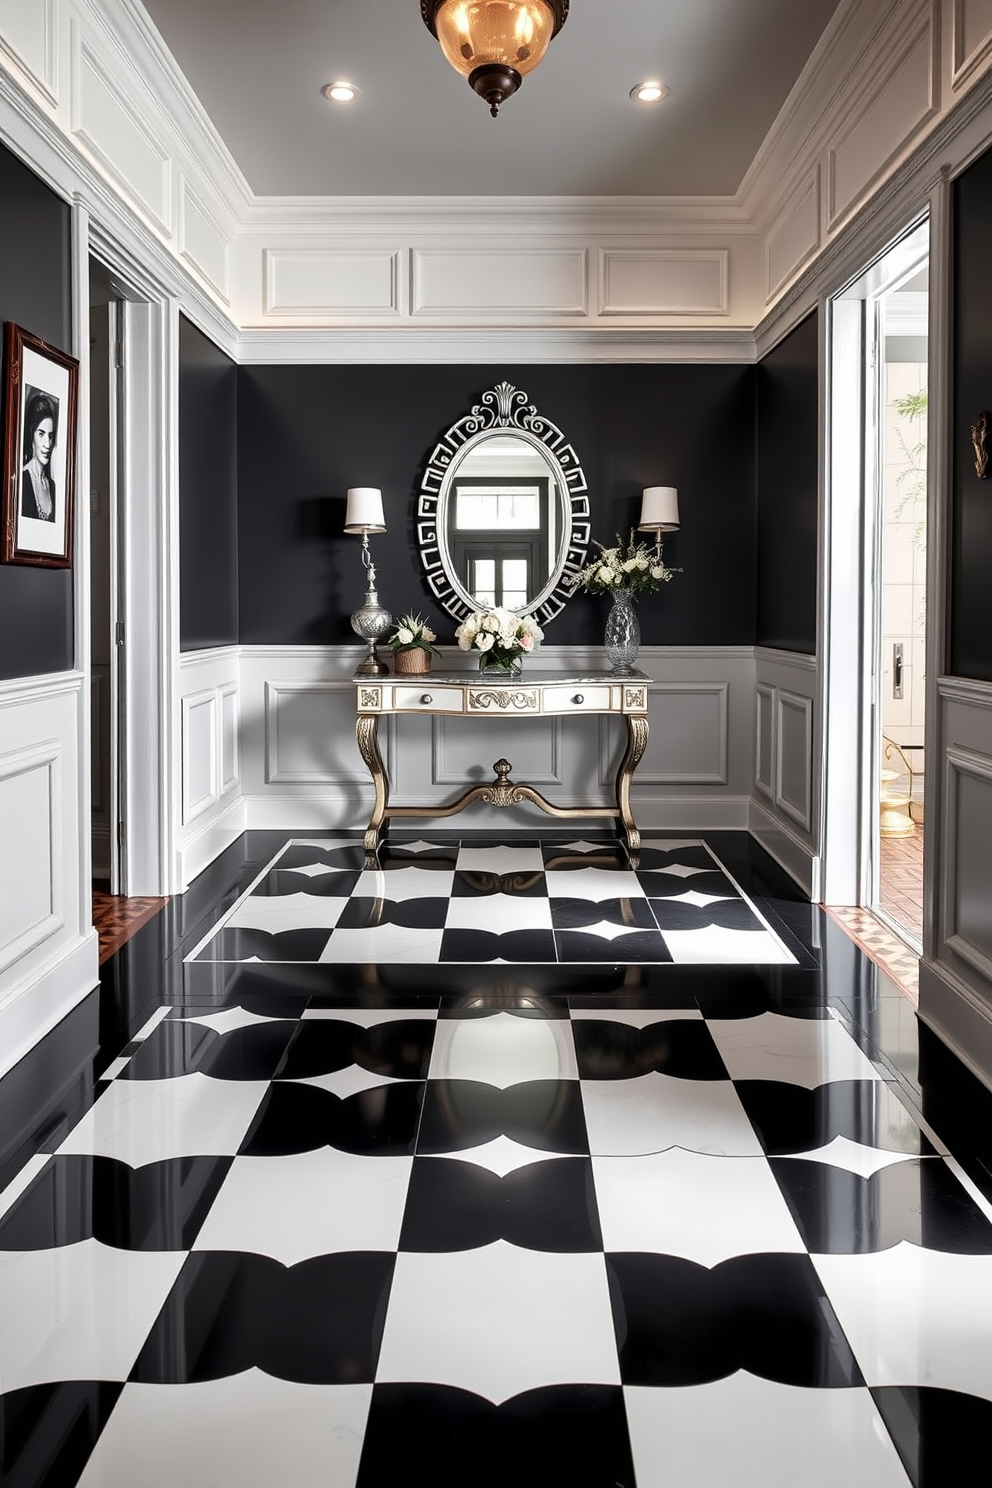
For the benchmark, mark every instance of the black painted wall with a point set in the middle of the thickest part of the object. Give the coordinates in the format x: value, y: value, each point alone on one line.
x: 787, y: 421
x: 305, y: 434
x: 208, y: 493
x: 36, y: 628
x: 971, y: 508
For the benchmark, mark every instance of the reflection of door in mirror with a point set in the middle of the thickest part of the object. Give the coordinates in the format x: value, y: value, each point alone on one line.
x: 499, y: 538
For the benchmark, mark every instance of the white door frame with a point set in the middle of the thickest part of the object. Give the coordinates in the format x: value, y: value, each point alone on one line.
x: 148, y: 573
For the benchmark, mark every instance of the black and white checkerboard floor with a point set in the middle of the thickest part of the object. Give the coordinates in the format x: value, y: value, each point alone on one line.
x: 577, y: 901
x: 657, y: 1226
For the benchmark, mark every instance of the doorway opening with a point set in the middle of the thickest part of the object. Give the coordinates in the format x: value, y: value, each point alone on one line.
x: 875, y: 613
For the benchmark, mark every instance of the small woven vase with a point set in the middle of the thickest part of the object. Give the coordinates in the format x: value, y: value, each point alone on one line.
x: 414, y: 661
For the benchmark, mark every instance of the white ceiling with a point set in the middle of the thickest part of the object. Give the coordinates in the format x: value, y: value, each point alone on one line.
x: 257, y: 67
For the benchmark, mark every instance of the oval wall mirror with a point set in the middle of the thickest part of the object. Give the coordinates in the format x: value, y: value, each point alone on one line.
x: 503, y: 517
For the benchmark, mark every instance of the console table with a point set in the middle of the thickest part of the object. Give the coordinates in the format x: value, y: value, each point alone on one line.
x: 476, y: 695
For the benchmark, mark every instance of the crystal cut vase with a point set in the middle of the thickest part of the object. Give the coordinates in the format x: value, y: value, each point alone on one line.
x: 623, y: 635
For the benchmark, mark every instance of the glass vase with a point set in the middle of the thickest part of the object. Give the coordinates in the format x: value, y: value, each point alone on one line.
x: 497, y: 664
x: 623, y: 635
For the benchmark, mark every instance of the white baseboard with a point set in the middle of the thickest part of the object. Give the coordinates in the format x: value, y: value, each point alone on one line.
x: 31, y: 1010
x: 788, y: 850
x: 216, y: 834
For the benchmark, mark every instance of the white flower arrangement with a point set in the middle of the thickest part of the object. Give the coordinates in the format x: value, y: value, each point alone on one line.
x: 499, y: 636
x: 410, y: 631
x: 626, y: 568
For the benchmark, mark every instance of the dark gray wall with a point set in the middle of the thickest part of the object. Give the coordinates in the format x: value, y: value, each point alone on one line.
x: 787, y: 421
x: 305, y: 434
x: 971, y: 509
x: 208, y: 493
x: 36, y: 628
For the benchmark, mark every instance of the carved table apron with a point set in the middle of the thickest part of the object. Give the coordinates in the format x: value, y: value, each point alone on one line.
x: 534, y: 694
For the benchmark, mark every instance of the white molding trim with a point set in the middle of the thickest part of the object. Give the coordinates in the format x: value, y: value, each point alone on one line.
x: 45, y: 756
x: 788, y: 850
x: 965, y: 66
x: 767, y: 787
x: 201, y: 847
x: 958, y: 762
x: 17, y: 690
x: 276, y: 259
x: 657, y: 258
x: 47, y: 80
x: 32, y: 1007
x: 192, y: 703
x: 802, y: 660
x: 965, y: 690
x: 801, y: 813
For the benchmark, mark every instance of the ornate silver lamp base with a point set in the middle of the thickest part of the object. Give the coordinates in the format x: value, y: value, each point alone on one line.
x: 371, y: 622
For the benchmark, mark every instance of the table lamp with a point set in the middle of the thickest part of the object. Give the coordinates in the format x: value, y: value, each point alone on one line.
x: 370, y: 621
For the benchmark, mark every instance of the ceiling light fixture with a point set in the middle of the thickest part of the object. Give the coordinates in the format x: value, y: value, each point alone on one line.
x: 649, y: 92
x: 340, y: 92
x: 494, y: 43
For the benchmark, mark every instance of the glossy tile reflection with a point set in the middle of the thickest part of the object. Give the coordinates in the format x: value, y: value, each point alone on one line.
x: 495, y: 1163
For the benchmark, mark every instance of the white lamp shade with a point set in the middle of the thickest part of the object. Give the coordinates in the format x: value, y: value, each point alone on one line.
x: 659, y: 509
x: 364, y: 512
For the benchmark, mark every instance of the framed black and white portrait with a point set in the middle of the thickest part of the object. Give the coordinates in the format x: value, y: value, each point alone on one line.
x: 40, y: 385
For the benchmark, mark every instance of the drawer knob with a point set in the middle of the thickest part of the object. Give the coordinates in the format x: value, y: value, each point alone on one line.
x: 426, y: 698
x: 579, y: 698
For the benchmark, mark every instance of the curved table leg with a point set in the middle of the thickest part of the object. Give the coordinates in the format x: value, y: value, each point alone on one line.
x: 367, y: 735
x: 637, y: 740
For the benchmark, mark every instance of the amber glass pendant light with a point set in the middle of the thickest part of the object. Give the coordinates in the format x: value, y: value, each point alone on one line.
x: 494, y: 43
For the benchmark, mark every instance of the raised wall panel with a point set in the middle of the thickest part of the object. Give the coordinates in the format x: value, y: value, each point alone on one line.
x: 688, y: 738
x: 330, y: 282
x: 29, y: 34
x: 764, y: 753
x: 310, y: 734
x: 202, y: 242
x: 504, y: 281
x: 887, y: 118
x: 972, y: 38
x: 794, y: 757
x: 104, y: 120
x: 663, y: 281
x: 230, y: 767
x: 795, y: 237
x: 31, y: 888
x: 967, y: 913
x: 460, y: 754
x: 199, y: 746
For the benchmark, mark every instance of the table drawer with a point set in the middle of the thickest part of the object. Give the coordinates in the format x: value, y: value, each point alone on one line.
x: 578, y: 699
x: 423, y: 698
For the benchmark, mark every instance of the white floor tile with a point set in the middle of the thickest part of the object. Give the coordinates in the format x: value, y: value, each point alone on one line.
x: 503, y: 1050
x: 144, y: 1121
x: 498, y: 913
x: 628, y: 1118
x: 593, y: 883
x: 248, y: 1431
x: 914, y: 1316
x: 78, y: 1311
x: 399, y: 884
x: 719, y: 946
x: 313, y: 1203
x: 744, y: 1432
x: 372, y: 1017
x: 705, y: 1209
x: 798, y: 1051
x: 499, y: 1320
x: 383, y: 943
x: 636, y: 1017
x: 500, y: 860
x: 290, y: 912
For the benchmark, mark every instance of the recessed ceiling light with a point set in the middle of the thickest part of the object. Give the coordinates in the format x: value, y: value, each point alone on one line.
x: 340, y: 91
x: 649, y: 92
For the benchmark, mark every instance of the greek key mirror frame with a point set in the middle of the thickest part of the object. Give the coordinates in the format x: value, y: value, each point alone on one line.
x: 503, y: 408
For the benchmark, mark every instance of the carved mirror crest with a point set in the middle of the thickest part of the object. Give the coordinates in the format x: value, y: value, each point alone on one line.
x: 503, y: 515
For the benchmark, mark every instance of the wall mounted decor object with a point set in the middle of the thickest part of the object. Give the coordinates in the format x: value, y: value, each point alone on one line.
x: 40, y: 386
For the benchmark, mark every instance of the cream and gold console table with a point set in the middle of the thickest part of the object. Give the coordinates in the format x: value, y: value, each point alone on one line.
x: 474, y: 695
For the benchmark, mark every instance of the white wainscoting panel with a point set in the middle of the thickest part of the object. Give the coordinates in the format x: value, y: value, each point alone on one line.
x: 663, y: 281
x: 794, y: 237
x: 888, y: 114
x: 212, y: 806
x: 533, y: 746
x: 331, y: 282
x: 794, y: 756
x: 972, y: 38
x: 48, y: 949
x: 688, y: 742
x: 29, y: 35
x: 515, y: 281
x: 309, y: 733
x: 199, y: 754
x: 32, y: 905
x: 764, y: 743
x: 108, y: 124
x: 965, y: 886
x: 202, y: 241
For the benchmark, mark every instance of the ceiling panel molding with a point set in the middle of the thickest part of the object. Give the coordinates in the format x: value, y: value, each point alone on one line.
x: 664, y: 281
x: 328, y: 283
x: 477, y: 283
x: 971, y: 40
x: 794, y: 238
x: 29, y: 40
x: 202, y: 241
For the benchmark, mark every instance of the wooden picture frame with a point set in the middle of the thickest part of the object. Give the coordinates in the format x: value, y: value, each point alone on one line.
x: 39, y: 448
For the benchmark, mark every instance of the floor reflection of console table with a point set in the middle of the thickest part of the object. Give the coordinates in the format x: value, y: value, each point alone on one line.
x: 474, y: 695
